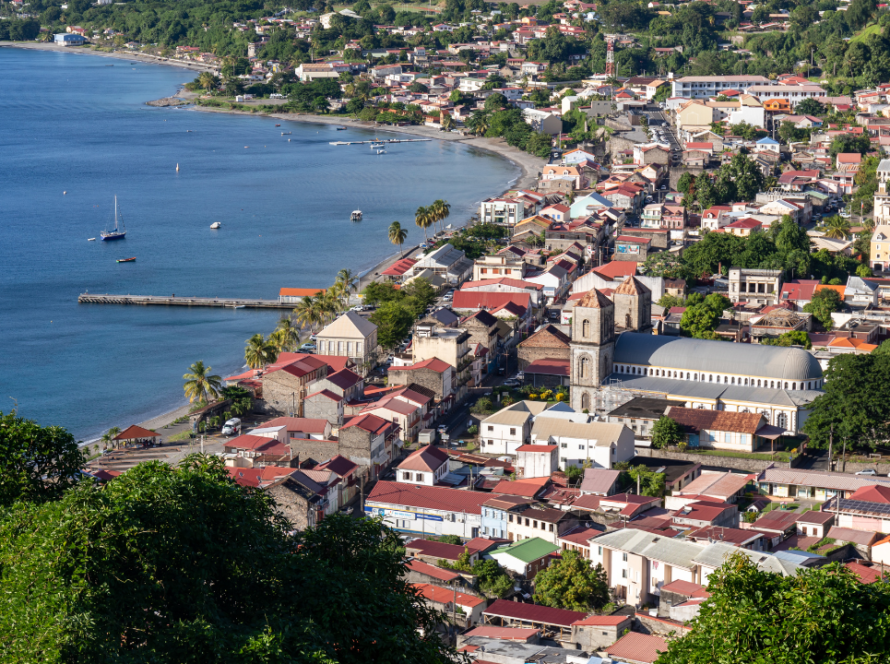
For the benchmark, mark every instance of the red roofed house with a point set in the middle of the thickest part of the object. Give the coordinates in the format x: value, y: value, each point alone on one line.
x: 433, y: 374
x: 425, y: 466
x: 295, y: 295
x: 506, y: 285
x: 445, y: 600
x: 427, y: 510
x: 248, y: 450
x: 433, y: 551
x: 370, y: 441
x: 285, y: 382
x: 637, y: 648
x: 598, y: 632
x: 469, y: 301
x: 518, y: 614
x: 518, y: 634
x: 617, y: 270
x: 397, y: 270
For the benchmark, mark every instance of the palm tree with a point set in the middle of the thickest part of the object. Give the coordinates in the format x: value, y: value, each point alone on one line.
x: 424, y: 218
x: 208, y: 81
x: 307, y: 311
x: 447, y: 122
x: 259, y: 352
x: 330, y: 303
x: 200, y: 385
x: 286, y: 336
x: 837, y: 228
x: 397, y: 234
x: 441, y: 209
x: 349, y: 280
x: 108, y: 437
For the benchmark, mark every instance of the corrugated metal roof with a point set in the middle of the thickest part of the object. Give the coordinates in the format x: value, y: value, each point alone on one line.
x: 723, y: 485
x: 700, y: 390
x: 428, y: 497
x: 534, y: 613
x: 820, y: 479
x: 604, y: 433
x: 527, y: 550
x: 655, y: 547
x: 517, y: 414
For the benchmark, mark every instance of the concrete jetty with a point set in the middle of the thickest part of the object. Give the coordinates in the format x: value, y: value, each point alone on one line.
x: 180, y: 301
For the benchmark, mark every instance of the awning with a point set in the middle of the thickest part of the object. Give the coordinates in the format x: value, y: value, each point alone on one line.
x: 770, y: 432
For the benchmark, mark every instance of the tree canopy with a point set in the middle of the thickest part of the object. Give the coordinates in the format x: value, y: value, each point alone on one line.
x: 817, y: 615
x: 37, y: 463
x: 181, y: 564
x: 572, y: 583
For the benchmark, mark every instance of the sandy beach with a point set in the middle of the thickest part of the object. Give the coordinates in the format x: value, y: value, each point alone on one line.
x: 130, y: 56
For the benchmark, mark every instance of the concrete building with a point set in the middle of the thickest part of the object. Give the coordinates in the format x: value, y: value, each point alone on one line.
x: 451, y: 345
x: 509, y: 428
x: 755, y: 286
x: 700, y: 87
x: 351, y: 336
x: 598, y: 444
x: 425, y: 466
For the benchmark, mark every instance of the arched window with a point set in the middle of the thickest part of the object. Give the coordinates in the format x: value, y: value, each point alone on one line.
x: 585, y: 401
x: 772, y: 383
x: 585, y: 329
x: 725, y: 380
x: 710, y: 379
x: 758, y: 382
x: 782, y: 421
x: 746, y: 381
x: 732, y: 381
x: 786, y: 384
x: 793, y: 386
x: 687, y: 375
x: 585, y: 366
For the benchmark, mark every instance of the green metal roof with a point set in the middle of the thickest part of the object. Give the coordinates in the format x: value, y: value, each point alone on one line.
x: 528, y: 550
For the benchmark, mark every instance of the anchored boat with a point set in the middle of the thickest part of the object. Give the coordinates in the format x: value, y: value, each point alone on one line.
x: 126, y: 260
x: 356, y: 215
x: 119, y: 232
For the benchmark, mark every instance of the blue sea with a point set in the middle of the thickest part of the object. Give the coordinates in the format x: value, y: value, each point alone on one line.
x: 72, y: 123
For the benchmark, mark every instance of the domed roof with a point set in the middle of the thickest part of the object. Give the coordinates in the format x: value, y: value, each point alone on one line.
x: 717, y: 357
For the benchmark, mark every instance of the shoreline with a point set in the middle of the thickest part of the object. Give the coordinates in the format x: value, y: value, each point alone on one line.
x: 117, y: 55
x: 529, y: 166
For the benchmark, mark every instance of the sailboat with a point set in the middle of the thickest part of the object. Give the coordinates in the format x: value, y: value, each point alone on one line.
x: 119, y: 232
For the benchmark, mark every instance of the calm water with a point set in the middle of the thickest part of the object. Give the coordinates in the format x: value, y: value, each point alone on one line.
x: 72, y: 123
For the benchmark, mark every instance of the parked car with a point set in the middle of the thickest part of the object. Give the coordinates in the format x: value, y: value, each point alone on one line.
x: 308, y: 347
x: 231, y: 427
x: 870, y: 471
x: 511, y: 382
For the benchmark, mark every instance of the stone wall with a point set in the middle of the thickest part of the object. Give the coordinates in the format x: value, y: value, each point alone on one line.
x: 658, y: 626
x: 749, y: 465
x: 427, y: 378
x: 322, y: 408
x: 292, y: 504
x: 529, y: 354
x: 317, y: 450
x: 675, y: 173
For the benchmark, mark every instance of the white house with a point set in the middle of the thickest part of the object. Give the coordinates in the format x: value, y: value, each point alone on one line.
x: 602, y: 444
x: 351, y: 336
x: 427, y: 510
x: 425, y: 466
x: 536, y: 460
x: 507, y: 429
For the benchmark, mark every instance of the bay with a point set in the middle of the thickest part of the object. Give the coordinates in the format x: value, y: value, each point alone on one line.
x: 71, y: 123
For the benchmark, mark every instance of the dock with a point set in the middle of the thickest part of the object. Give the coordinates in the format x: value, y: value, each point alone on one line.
x: 179, y: 301
x: 387, y: 141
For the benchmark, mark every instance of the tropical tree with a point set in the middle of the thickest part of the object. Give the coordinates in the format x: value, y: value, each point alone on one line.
x: 441, y: 210
x: 200, y: 385
x: 666, y: 433
x: 837, y: 228
x: 397, y: 234
x: 259, y: 352
x: 424, y: 218
x: 108, y: 437
x: 308, y: 311
x: 37, y: 463
x: 349, y: 280
x: 447, y: 122
x: 572, y: 583
x: 286, y: 335
x: 208, y: 81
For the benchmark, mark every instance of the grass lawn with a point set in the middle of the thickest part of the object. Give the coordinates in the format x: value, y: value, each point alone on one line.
x: 874, y: 29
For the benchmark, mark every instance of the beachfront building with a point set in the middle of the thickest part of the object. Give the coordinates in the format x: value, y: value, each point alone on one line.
x: 350, y: 336
x: 66, y: 39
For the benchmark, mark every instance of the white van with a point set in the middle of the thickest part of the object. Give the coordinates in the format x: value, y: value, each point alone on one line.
x: 231, y: 427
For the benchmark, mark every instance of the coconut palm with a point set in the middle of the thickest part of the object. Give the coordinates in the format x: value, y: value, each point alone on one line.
x: 424, y: 218
x: 397, y: 234
x: 307, y: 311
x: 330, y: 303
x: 259, y: 352
x: 287, y: 335
x: 349, y: 280
x: 200, y: 384
x: 441, y: 210
x: 447, y: 122
x: 208, y: 81
x: 837, y: 228
x: 108, y: 437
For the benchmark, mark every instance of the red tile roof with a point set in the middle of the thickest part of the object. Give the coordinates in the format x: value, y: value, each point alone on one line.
x: 534, y: 613
x: 446, y: 595
x: 603, y: 621
x: 431, y: 570
x: 339, y: 465
x: 483, y: 300
x: 872, y: 494
x: 400, y: 267
x: 325, y: 393
x: 428, y: 458
x: 865, y: 574
x: 256, y: 477
x: 370, y: 423
x: 428, y: 497
x: 616, y: 269
x: 528, y: 488
x: 134, y: 432
x: 433, y: 363
x: 638, y: 647
x: 344, y: 378
x: 682, y: 588
x: 549, y: 367
x: 299, y: 424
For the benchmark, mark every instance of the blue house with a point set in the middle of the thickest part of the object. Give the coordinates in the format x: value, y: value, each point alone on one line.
x: 66, y: 39
x: 496, y: 512
x: 768, y: 144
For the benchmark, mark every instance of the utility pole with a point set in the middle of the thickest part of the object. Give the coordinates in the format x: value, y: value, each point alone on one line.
x: 830, y: 446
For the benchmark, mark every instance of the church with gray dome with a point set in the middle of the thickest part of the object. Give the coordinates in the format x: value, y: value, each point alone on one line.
x: 619, y: 353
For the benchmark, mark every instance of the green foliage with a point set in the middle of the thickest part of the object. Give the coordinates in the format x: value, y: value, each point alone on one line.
x: 699, y: 321
x: 449, y: 539
x: 849, y: 143
x: 856, y: 403
x: 16, y: 30
x: 182, y: 565
x: 37, y: 464
x: 666, y: 433
x: 804, y: 617
x: 823, y: 303
x: 793, y: 338
x: 393, y: 320
x: 493, y: 580
x: 572, y: 583
x: 809, y: 107
x: 651, y: 482
x: 574, y: 473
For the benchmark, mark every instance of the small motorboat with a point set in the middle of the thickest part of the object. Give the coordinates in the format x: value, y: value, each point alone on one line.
x: 356, y: 215
x: 215, y: 225
x: 377, y: 146
x: 286, y: 133
x: 381, y: 151
x: 126, y: 260
x: 278, y: 125
x: 91, y: 239
x: 341, y: 128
